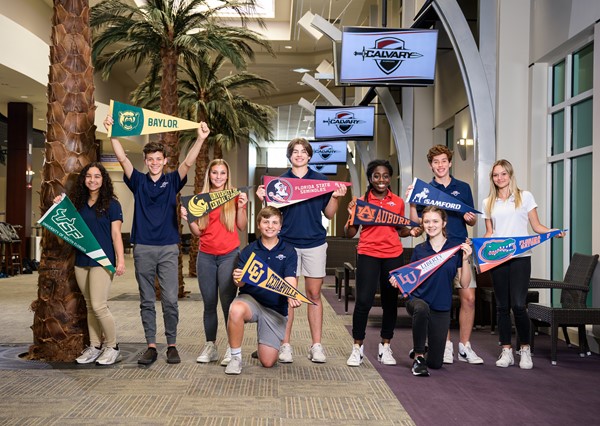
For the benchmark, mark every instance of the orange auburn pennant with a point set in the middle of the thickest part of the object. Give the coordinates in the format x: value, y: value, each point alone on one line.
x: 369, y: 214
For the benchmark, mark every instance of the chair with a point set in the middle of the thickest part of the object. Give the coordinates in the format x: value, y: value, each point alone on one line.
x: 11, y: 249
x: 571, y: 310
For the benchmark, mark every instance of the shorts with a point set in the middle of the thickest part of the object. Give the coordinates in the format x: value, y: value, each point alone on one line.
x: 311, y: 261
x: 456, y: 281
x: 270, y: 324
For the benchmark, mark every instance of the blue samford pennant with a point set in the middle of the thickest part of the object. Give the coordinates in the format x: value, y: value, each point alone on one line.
x: 426, y: 195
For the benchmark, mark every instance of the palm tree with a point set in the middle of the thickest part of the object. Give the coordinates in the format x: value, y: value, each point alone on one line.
x: 59, y: 323
x: 159, y: 35
x: 205, y: 96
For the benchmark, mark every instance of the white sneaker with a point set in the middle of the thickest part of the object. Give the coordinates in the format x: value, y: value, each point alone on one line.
x: 384, y: 355
x: 317, y: 354
x: 235, y: 365
x: 526, y: 362
x: 285, y: 353
x: 89, y: 355
x: 467, y: 354
x: 209, y: 353
x: 448, y: 353
x: 109, y: 356
x: 506, y: 358
x: 227, y: 357
x: 356, y: 357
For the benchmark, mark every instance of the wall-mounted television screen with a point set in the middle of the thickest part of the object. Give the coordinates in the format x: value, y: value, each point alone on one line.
x: 328, y: 152
x: 386, y: 56
x: 326, y: 169
x: 344, y: 122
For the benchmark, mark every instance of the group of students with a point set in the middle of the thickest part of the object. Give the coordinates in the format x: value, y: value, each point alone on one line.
x: 291, y: 241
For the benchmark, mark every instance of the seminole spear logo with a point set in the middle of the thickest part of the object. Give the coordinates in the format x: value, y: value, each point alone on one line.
x: 388, y: 53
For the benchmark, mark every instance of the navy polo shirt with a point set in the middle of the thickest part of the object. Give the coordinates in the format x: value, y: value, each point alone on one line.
x: 437, y: 289
x: 282, y: 260
x: 155, y: 212
x: 456, y: 228
x: 302, y: 225
x: 101, y: 229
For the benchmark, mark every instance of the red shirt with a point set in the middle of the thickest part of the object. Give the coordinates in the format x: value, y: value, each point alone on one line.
x: 216, y: 239
x: 382, y: 241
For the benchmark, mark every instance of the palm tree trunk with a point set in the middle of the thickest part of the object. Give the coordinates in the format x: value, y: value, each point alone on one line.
x: 59, y: 324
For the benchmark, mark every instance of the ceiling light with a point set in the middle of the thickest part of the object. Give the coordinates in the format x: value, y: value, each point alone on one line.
x: 301, y: 70
x: 287, y: 47
x: 24, y: 96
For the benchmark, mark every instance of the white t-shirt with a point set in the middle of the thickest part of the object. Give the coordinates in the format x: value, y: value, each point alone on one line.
x: 507, y: 221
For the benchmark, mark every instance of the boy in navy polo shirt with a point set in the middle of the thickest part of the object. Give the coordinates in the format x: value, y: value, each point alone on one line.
x: 303, y: 229
x: 155, y: 235
x: 440, y: 161
x: 255, y: 304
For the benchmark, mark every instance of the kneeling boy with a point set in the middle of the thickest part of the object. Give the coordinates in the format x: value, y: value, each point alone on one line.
x: 255, y: 304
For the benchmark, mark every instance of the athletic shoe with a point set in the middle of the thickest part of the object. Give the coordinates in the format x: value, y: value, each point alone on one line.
x: 235, y: 365
x: 227, y: 357
x: 467, y: 354
x: 89, y: 355
x: 173, y: 355
x: 254, y: 355
x: 317, y: 354
x: 384, y: 355
x: 506, y: 358
x: 285, y: 353
x: 448, y: 353
x: 356, y: 357
x: 109, y: 356
x: 526, y: 362
x: 419, y: 367
x: 209, y: 353
x: 148, y: 357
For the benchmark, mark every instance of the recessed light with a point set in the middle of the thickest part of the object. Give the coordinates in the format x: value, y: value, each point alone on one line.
x: 24, y: 96
x: 287, y: 47
x: 301, y: 70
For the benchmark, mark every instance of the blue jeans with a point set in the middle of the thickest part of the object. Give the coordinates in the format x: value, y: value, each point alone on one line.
x: 216, y: 281
x: 161, y: 261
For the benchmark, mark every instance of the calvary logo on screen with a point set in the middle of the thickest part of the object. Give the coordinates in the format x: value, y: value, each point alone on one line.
x: 325, y: 151
x: 279, y: 190
x: 388, y: 53
x: 344, y: 121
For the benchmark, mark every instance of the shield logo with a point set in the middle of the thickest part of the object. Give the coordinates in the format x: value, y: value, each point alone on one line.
x: 325, y: 151
x: 388, y: 66
x: 344, y: 115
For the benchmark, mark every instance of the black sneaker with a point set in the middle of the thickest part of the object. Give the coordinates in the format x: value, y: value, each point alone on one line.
x: 254, y: 355
x: 173, y: 355
x: 148, y: 357
x: 419, y: 367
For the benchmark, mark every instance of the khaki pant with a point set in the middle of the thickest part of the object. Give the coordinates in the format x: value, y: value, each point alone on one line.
x: 94, y: 283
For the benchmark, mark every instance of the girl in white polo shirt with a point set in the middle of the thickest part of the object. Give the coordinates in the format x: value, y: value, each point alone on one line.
x: 508, y: 211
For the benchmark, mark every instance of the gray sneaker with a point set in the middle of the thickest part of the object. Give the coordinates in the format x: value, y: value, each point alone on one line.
x: 89, y: 355
x: 209, y: 353
x: 227, y: 357
x: 286, y: 354
x: 317, y: 354
x: 235, y: 365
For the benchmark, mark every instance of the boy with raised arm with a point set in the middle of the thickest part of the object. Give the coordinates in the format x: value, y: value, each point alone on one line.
x: 155, y: 236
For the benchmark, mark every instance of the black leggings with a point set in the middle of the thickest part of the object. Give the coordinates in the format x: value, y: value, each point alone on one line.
x: 511, y: 283
x: 431, y: 327
x: 370, y: 273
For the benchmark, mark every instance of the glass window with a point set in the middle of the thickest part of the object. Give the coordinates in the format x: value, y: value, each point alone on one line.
x: 582, y: 124
x: 558, y: 202
x: 583, y: 70
x: 558, y: 83
x: 558, y: 132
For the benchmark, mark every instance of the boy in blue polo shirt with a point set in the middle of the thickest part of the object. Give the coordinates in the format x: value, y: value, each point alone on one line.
x: 440, y: 161
x: 155, y: 236
x: 255, y: 304
x: 303, y: 229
